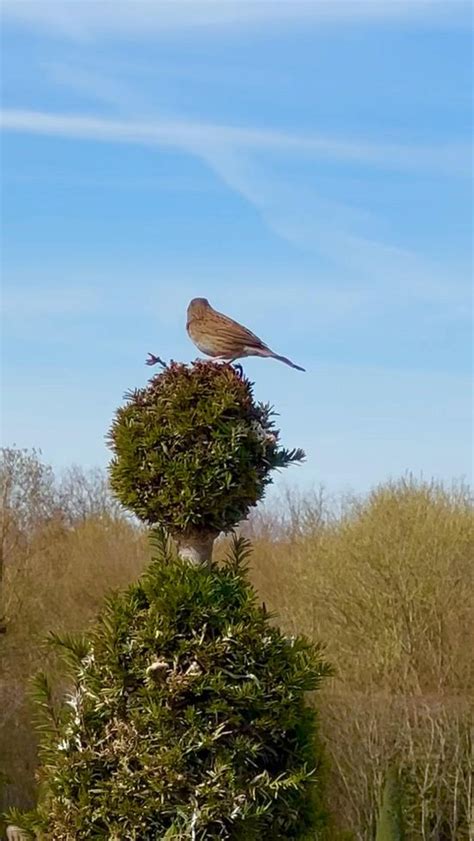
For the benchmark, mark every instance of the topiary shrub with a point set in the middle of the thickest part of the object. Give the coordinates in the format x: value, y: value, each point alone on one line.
x: 186, y: 718
x: 193, y: 452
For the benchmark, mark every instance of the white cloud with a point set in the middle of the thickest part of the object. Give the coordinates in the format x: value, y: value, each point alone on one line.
x: 146, y: 18
x: 203, y: 139
x: 381, y: 274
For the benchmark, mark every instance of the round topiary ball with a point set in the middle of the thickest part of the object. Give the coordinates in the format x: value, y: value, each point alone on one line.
x: 193, y: 451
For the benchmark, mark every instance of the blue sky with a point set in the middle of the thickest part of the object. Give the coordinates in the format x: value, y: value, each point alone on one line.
x: 305, y: 166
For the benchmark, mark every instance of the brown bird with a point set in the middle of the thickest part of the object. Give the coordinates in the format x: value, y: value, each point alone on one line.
x: 221, y: 337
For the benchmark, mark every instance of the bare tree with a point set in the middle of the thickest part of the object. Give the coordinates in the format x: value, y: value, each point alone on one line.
x: 28, y: 500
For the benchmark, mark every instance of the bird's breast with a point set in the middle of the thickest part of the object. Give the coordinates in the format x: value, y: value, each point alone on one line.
x: 201, y: 337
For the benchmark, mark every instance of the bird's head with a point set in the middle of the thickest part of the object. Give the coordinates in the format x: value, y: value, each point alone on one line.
x: 197, y: 306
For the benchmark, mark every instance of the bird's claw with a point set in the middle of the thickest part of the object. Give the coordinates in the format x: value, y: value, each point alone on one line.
x: 239, y: 370
x: 153, y: 360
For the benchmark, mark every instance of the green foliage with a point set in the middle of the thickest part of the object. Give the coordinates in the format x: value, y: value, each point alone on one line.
x: 186, y: 717
x: 390, y: 821
x: 193, y: 450
x: 387, y: 580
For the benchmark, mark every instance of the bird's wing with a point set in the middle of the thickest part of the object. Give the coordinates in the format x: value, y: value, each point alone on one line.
x: 227, y: 328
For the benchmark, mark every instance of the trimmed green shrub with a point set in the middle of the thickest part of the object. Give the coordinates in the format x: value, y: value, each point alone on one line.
x: 186, y: 718
x: 193, y: 451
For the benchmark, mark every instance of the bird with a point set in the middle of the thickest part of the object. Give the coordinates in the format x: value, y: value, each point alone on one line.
x: 219, y: 336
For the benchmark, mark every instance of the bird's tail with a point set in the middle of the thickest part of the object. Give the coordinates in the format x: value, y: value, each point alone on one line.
x: 287, y: 362
x: 283, y: 359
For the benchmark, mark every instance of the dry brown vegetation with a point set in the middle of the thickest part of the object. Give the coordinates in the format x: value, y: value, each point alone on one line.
x: 386, y: 582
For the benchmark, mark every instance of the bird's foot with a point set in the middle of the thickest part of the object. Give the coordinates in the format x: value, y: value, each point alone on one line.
x: 153, y: 360
x: 239, y: 370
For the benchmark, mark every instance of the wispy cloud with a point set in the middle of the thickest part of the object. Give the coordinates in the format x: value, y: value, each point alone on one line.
x: 202, y: 138
x: 145, y: 18
x: 379, y: 271
x: 328, y: 143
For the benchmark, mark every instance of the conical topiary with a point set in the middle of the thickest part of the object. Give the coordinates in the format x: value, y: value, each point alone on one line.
x: 186, y: 715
